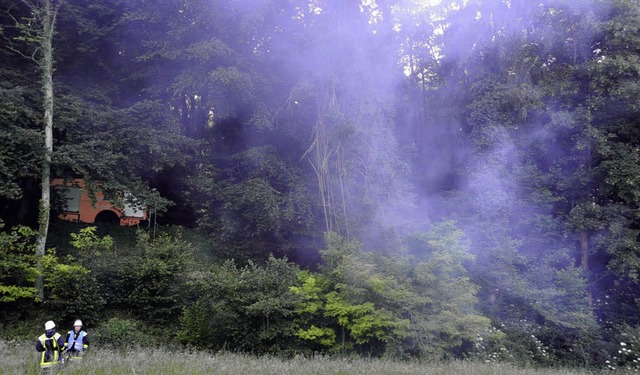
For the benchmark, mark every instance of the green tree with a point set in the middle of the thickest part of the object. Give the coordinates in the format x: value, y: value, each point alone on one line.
x: 79, y: 294
x: 160, y: 277
x: 357, y: 301
x: 445, y: 317
x: 345, y: 138
x: 20, y: 268
x: 532, y: 203
x: 247, y: 308
x: 20, y: 136
x: 613, y: 71
x: 312, y: 327
x: 18, y: 265
x: 35, y: 42
x: 257, y: 203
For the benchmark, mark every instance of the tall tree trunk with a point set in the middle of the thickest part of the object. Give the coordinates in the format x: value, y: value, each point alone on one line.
x: 46, y: 12
x: 319, y: 154
x: 584, y: 250
x: 584, y: 259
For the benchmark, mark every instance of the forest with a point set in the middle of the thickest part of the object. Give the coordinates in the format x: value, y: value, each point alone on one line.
x: 408, y: 179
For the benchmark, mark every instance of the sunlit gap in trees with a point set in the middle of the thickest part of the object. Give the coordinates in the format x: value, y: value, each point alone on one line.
x: 404, y: 21
x: 421, y: 14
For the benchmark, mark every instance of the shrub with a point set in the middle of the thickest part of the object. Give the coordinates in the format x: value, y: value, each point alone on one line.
x: 248, y: 308
x: 626, y: 353
x: 122, y: 333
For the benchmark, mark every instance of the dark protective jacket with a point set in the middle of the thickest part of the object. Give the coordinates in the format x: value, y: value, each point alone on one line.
x: 51, y: 345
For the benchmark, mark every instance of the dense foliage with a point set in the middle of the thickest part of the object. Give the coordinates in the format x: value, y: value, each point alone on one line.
x: 383, y: 177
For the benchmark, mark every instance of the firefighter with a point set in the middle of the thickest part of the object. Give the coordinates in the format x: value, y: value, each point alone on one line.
x: 77, y: 341
x: 51, y: 344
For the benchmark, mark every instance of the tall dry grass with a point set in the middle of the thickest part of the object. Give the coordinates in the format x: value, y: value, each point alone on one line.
x: 21, y: 358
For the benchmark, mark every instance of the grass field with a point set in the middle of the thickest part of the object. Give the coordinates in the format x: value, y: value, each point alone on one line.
x: 21, y: 358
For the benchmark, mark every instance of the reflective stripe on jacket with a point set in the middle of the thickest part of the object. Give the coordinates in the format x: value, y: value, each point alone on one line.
x: 51, y: 354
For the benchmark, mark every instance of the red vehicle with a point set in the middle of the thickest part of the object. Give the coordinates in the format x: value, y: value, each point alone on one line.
x: 79, y: 207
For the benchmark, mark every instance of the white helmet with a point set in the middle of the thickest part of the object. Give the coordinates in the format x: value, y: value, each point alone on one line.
x: 77, y: 323
x: 49, y: 325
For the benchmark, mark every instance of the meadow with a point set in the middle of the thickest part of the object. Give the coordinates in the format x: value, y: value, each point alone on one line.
x: 21, y: 358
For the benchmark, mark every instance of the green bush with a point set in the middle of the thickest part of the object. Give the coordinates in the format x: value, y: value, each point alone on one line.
x: 248, y: 308
x: 14, y: 329
x: 122, y: 333
x: 194, y: 325
x: 625, y: 354
x: 159, y: 274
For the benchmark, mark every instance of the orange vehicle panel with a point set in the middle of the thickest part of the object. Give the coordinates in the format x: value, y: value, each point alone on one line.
x: 80, y: 208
